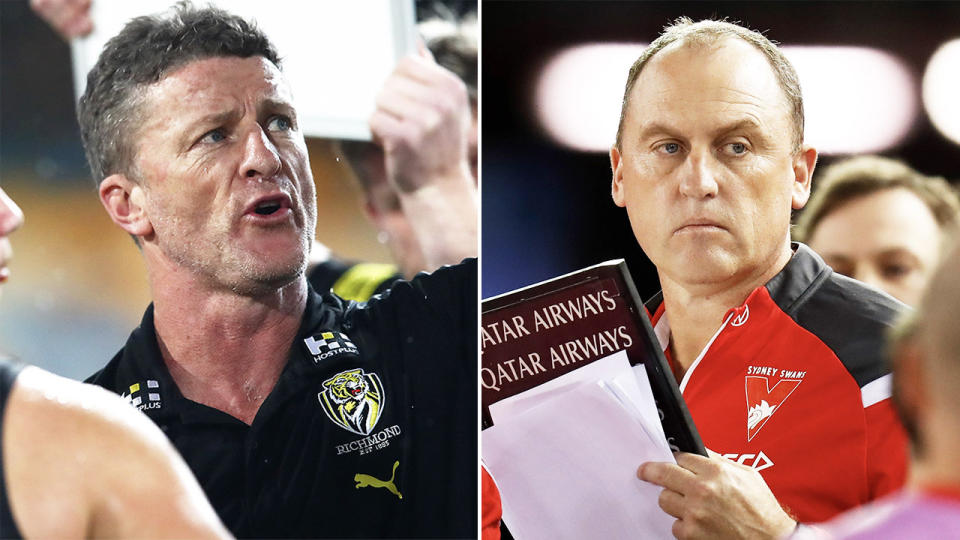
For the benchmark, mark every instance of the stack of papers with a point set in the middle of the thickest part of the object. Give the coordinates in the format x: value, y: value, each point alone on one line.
x: 565, y: 454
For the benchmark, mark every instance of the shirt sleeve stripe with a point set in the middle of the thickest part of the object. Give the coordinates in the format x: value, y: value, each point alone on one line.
x: 877, y: 391
x: 662, y: 331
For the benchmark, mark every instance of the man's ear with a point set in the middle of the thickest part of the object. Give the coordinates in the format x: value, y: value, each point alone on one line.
x: 124, y: 201
x: 803, y: 164
x: 616, y: 187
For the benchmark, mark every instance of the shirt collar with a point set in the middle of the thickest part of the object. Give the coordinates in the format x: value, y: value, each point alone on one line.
x: 800, y: 277
x: 788, y: 288
x: 143, y: 371
x: 143, y: 365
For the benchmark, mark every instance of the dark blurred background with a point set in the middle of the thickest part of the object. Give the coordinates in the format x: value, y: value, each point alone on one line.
x: 547, y: 208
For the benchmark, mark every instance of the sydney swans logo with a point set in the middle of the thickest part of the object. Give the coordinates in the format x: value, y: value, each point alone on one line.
x: 763, y: 401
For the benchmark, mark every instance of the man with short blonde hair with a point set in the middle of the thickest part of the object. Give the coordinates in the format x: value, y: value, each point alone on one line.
x: 879, y: 221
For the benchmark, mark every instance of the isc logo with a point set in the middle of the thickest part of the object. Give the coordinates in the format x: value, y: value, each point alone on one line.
x: 757, y: 462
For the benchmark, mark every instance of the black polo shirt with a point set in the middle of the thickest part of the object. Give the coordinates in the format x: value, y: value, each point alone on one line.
x: 371, y: 430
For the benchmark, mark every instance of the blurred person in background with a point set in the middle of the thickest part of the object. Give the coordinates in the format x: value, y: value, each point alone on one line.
x: 925, y: 351
x: 77, y: 461
x: 301, y: 415
x: 881, y: 222
x: 68, y: 18
x: 11, y: 218
x: 425, y: 126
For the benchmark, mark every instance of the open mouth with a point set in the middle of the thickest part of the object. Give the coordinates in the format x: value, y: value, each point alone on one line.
x: 269, y: 206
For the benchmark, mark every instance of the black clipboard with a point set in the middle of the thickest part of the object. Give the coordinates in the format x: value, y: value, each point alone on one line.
x: 571, y: 321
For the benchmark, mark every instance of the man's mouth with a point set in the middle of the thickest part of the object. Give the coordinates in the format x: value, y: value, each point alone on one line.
x: 274, y: 205
x: 700, y: 225
x: 267, y: 208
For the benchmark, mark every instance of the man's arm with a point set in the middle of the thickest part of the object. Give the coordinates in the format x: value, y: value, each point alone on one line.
x: 80, y: 461
x: 69, y: 18
x: 422, y: 122
x: 717, y: 498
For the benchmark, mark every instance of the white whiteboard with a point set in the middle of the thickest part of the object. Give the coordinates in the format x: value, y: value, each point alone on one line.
x: 335, y: 54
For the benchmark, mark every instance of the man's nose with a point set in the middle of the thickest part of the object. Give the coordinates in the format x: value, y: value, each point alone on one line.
x: 11, y: 217
x: 260, y: 156
x: 699, y: 178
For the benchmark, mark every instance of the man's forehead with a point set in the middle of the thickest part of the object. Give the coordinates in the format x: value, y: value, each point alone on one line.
x: 727, y: 70
x: 720, y: 59
x: 221, y: 79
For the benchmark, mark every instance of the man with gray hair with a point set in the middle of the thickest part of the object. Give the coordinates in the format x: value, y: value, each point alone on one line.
x: 778, y: 358
x: 301, y: 415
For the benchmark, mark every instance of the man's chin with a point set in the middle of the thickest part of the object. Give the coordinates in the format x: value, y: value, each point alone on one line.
x: 258, y: 276
x: 261, y: 284
x: 701, y: 267
x: 273, y: 242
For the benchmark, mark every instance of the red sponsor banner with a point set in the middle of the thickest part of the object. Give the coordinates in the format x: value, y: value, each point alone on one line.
x: 541, y: 332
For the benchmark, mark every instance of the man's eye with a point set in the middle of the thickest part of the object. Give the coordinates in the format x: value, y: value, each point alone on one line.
x: 737, y: 148
x: 895, y: 271
x: 213, y: 136
x: 670, y: 148
x: 280, y: 123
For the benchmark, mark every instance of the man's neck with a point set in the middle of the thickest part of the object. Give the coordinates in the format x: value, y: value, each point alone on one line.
x: 696, y: 311
x: 223, y: 349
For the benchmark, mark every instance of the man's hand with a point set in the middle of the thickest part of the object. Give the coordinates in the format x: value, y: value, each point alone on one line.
x: 422, y: 122
x: 69, y: 18
x: 716, y: 498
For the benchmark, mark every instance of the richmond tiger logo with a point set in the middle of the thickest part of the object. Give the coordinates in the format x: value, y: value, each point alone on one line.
x: 353, y: 400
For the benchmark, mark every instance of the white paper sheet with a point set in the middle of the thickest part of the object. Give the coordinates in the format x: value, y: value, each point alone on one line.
x: 335, y: 55
x: 565, y: 456
x: 635, y: 386
x: 606, y: 368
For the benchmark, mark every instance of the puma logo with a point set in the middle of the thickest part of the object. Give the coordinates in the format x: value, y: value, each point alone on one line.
x: 365, y: 480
